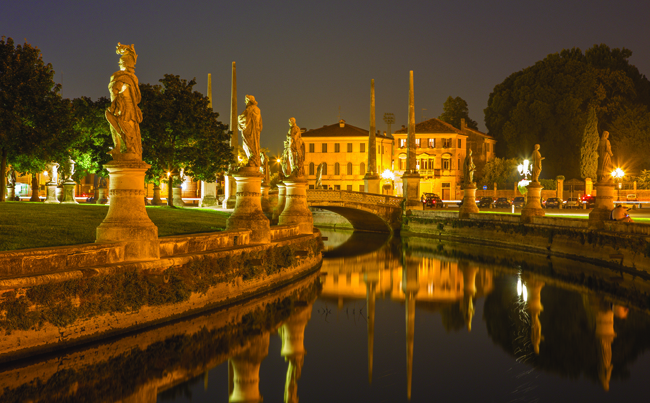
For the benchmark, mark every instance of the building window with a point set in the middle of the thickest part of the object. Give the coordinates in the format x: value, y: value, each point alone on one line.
x: 460, y: 143
x: 349, y: 147
x: 337, y: 187
x: 362, y: 188
x: 458, y: 163
x: 402, y: 164
x: 350, y: 188
x: 349, y: 170
x: 311, y: 147
x: 324, y: 147
x: 432, y: 143
x: 446, y: 163
x: 487, y: 146
x: 418, y: 142
x: 362, y: 147
x: 324, y: 169
x: 402, y: 143
x: 362, y: 169
x: 446, y: 143
x: 311, y: 168
x: 337, y: 169
x: 337, y: 147
x: 311, y: 186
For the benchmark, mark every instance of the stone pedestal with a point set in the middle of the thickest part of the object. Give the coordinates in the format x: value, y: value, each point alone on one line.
x: 208, y: 194
x: 282, y: 192
x: 266, y: 204
x: 411, y: 188
x: 296, y: 210
x: 230, y: 189
x: 127, y: 218
x: 51, y: 193
x: 101, y: 198
x: 68, y: 193
x: 176, y: 197
x: 156, y: 200
x: 589, y: 186
x: 11, y: 193
x: 371, y: 183
x: 59, y: 193
x: 604, y: 205
x: 244, y: 370
x: 248, y: 212
x: 533, y: 207
x: 469, y: 202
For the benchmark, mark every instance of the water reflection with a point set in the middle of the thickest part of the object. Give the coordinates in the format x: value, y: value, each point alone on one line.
x: 494, y: 317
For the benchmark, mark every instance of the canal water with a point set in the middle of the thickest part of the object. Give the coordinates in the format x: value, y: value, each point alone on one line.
x: 385, y: 320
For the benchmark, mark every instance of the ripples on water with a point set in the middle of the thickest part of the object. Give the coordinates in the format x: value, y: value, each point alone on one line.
x: 385, y: 319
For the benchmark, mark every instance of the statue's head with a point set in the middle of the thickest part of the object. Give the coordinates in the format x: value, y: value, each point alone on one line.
x: 250, y: 100
x: 292, y: 122
x: 536, y: 146
x: 605, y: 134
x: 129, y: 57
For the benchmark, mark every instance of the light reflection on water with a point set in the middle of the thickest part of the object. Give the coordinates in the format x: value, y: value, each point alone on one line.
x: 413, y: 318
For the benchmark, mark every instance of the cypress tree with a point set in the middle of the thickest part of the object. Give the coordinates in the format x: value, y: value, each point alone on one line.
x: 589, y: 147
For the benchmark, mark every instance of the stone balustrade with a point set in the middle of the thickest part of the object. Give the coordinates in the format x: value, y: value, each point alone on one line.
x: 359, y: 197
x: 284, y: 231
x: 182, y: 244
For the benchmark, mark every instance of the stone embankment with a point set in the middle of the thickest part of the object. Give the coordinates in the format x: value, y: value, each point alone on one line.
x: 53, y: 298
x: 618, y: 244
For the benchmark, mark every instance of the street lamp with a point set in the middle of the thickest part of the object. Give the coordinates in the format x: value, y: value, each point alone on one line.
x: 618, y: 175
x: 524, y: 170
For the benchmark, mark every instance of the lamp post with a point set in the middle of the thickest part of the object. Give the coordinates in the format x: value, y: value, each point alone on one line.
x: 618, y: 175
x: 524, y: 170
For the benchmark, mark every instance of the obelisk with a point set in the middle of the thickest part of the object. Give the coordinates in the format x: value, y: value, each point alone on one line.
x: 371, y: 179
x: 230, y: 198
x: 411, y: 177
x: 209, y: 189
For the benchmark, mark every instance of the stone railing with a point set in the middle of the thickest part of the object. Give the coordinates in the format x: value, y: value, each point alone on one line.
x: 193, y: 243
x: 284, y: 231
x: 357, y: 197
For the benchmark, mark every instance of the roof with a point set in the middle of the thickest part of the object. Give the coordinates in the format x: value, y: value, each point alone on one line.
x: 431, y: 126
x: 478, y: 133
x: 336, y: 130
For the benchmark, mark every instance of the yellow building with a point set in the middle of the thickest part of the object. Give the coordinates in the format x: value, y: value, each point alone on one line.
x: 344, y: 148
x: 440, y: 152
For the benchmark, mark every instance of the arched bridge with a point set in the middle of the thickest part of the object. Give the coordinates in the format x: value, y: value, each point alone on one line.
x: 365, y: 211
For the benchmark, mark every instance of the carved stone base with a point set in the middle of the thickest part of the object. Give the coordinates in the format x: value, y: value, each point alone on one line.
x: 69, y: 193
x: 248, y: 212
x: 11, y: 193
x: 371, y: 182
x: 469, y: 202
x: 230, y: 198
x: 176, y: 197
x: 266, y: 204
x: 101, y: 198
x: 411, y: 189
x: 51, y: 193
x: 59, y: 193
x: 604, y: 205
x: 279, y: 208
x: 533, y: 207
x: 208, y: 194
x: 156, y: 200
x: 296, y: 210
x: 127, y: 219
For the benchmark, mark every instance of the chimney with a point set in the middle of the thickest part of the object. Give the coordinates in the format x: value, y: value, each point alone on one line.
x: 462, y: 124
x: 341, y: 123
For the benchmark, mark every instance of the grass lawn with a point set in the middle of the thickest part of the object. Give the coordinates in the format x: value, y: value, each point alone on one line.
x: 36, y: 225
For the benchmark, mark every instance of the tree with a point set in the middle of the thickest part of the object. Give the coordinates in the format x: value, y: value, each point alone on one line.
x: 35, y: 122
x: 179, y: 131
x: 589, y: 148
x: 453, y: 110
x: 500, y: 171
x: 549, y: 102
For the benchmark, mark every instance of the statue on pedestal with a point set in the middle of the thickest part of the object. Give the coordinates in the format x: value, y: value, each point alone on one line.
x: 250, y: 124
x: 537, y: 163
x: 11, y: 178
x: 264, y: 167
x: 604, y: 159
x: 469, y: 168
x: 52, y: 172
x: 68, y: 171
x: 285, y: 162
x: 296, y: 149
x: 123, y: 114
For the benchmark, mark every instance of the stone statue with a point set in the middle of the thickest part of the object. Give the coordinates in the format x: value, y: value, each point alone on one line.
x: 102, y: 182
x: 68, y: 171
x: 11, y: 177
x: 123, y: 114
x: 297, y: 149
x: 469, y: 168
x: 250, y: 124
x: 604, y: 158
x: 52, y: 171
x: 319, y: 175
x: 286, y: 159
x: 537, y: 163
x: 264, y: 167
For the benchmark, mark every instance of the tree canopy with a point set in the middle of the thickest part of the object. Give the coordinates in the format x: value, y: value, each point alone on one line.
x: 93, y: 136
x: 455, y: 109
x: 35, y: 122
x: 180, y: 131
x: 548, y: 103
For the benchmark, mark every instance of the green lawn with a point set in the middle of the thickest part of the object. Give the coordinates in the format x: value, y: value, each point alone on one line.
x: 35, y: 225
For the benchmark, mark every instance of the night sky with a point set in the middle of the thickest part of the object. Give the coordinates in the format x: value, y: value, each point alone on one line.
x: 306, y: 59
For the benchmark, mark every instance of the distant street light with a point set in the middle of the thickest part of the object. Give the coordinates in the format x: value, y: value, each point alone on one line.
x: 618, y: 175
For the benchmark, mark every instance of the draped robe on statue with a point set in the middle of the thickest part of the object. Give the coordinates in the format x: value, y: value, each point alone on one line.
x: 250, y: 124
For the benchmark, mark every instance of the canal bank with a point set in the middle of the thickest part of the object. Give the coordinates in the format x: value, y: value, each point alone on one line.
x: 55, y: 298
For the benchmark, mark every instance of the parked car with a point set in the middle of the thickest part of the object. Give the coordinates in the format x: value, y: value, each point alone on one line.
x: 589, y: 201
x: 503, y: 202
x: 432, y: 200
x: 518, y: 201
x: 485, y: 201
x: 552, y: 202
x: 572, y: 202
